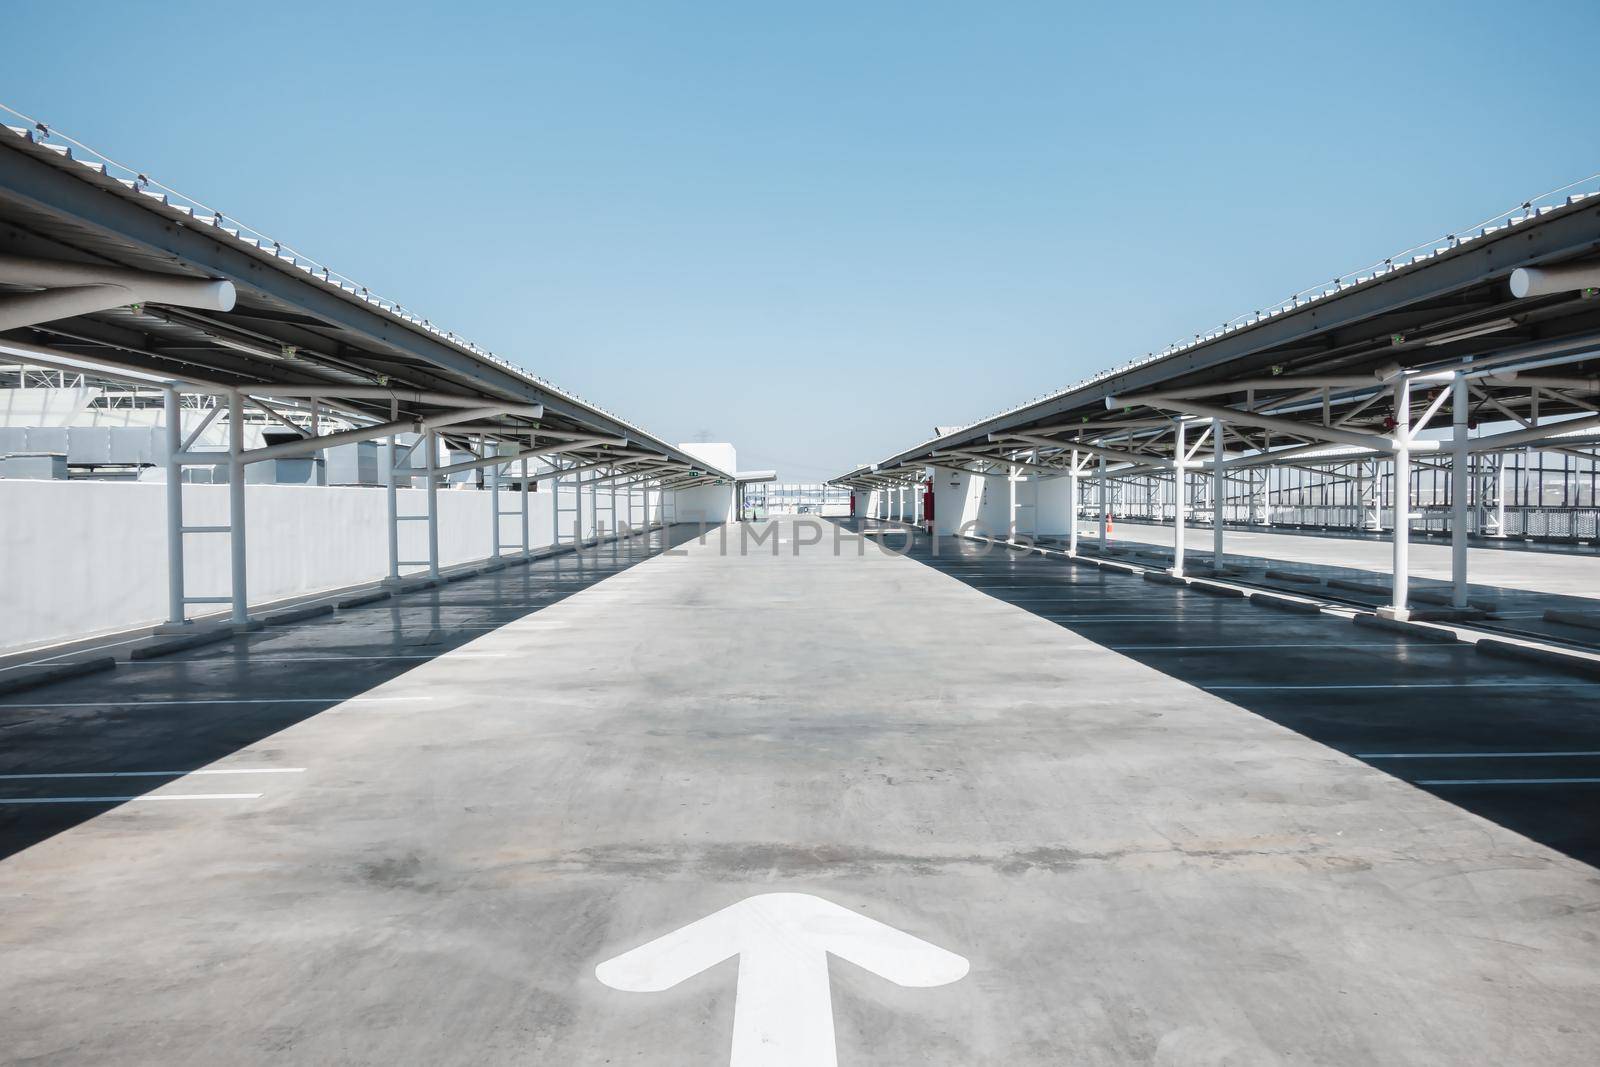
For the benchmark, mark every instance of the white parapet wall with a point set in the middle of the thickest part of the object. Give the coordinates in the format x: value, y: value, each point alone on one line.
x: 958, y: 497
x: 87, y: 557
x: 709, y: 504
x: 1053, y: 505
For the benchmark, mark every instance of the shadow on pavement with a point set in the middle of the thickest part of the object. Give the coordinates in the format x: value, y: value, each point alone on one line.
x: 184, y: 712
x: 1512, y: 743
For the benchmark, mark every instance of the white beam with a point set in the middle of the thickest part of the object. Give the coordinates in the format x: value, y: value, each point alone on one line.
x: 1313, y: 431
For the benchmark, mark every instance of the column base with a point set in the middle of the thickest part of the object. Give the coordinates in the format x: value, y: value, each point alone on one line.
x: 1394, y: 614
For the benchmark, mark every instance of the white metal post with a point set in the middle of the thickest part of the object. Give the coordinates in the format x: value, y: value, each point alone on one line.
x: 1180, y: 492
x: 1500, y: 495
x: 555, y: 502
x: 1105, y: 502
x: 236, y: 539
x: 1072, y: 506
x: 1011, y: 502
x: 1371, y: 504
x: 174, y: 417
x: 527, y: 542
x: 1459, y: 460
x: 319, y: 463
x: 593, y: 505
x: 392, y: 504
x: 1402, y: 497
x: 431, y: 442
x: 494, y: 499
x: 1361, y: 495
x: 1219, y: 482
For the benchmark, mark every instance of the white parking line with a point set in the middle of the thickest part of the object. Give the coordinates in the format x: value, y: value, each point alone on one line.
x: 153, y: 774
x: 248, y: 658
x: 1055, y: 617
x: 1470, y: 755
x: 1507, y: 781
x: 1197, y: 648
x: 1414, y: 685
x: 170, y: 703
x: 125, y: 800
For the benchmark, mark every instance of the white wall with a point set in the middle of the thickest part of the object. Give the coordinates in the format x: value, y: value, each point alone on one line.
x: 711, y: 504
x: 994, y: 506
x: 91, y: 557
x: 1053, y: 505
x: 957, y: 498
x: 719, y: 454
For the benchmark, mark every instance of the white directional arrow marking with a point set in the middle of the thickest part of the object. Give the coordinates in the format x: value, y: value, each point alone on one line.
x: 783, y: 1013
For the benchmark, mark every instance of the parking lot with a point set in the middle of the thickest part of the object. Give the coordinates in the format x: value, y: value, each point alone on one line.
x: 1154, y: 824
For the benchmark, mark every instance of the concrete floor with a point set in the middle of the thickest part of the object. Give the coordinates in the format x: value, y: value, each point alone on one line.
x: 1135, y: 810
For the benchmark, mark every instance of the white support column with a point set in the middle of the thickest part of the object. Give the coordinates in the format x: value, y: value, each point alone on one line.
x: 1500, y: 494
x: 236, y: 528
x: 577, y: 510
x: 1371, y: 505
x: 1361, y: 495
x: 1402, y: 500
x: 319, y: 461
x: 1460, y: 458
x: 1180, y: 493
x: 1105, y: 502
x: 527, y: 540
x: 1011, y: 503
x: 1219, y: 492
x: 430, y: 441
x: 494, y: 500
x: 392, y: 504
x: 555, y: 502
x: 594, y: 504
x: 1072, y: 506
x: 176, y: 611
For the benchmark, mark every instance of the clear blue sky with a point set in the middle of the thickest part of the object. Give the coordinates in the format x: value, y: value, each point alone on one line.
x: 818, y: 229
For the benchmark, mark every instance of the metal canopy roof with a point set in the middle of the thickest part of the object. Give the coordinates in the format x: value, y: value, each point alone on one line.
x: 296, y: 325
x: 1299, y: 373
